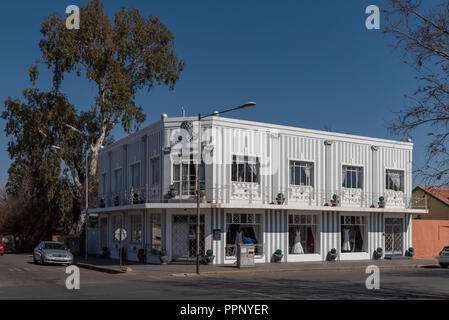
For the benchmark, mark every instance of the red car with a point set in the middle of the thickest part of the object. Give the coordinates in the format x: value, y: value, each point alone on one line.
x: 2, y: 249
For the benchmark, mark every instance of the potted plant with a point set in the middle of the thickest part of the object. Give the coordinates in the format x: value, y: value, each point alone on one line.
x: 141, y: 255
x: 102, y: 204
x: 334, y: 200
x: 116, y: 201
x: 378, y: 253
x: 381, y: 202
x: 332, y: 255
x: 172, y: 191
x: 277, y: 256
x: 280, y: 198
x: 202, y: 190
x: 163, y: 256
x: 105, y: 252
x: 209, y: 258
x: 410, y: 252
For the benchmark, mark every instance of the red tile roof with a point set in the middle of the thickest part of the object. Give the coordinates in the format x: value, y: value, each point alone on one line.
x: 439, y: 193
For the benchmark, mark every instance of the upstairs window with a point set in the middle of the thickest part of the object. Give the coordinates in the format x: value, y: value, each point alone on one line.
x: 352, y: 177
x: 155, y: 171
x: 184, y: 176
x: 394, y: 180
x: 301, y: 173
x: 117, y: 180
x: 245, y: 169
x: 135, y: 175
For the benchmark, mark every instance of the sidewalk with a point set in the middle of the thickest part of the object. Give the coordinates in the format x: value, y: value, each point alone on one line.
x: 185, y: 270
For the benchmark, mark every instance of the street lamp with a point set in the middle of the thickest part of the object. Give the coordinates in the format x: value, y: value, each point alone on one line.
x: 198, y: 188
x: 87, y: 185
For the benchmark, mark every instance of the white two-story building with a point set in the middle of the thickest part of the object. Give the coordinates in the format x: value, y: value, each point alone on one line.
x: 303, y: 191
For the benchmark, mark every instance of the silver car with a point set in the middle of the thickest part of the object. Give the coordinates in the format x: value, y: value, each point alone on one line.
x: 52, y: 252
x: 444, y: 257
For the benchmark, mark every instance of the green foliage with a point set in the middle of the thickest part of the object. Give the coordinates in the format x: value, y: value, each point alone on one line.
x: 278, y: 251
x: 209, y: 252
x: 333, y: 251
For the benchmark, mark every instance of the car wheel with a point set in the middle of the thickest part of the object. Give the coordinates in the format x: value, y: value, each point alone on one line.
x: 34, y: 259
x: 443, y: 265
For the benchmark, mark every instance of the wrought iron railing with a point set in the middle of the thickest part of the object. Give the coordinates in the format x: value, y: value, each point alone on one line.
x: 252, y: 193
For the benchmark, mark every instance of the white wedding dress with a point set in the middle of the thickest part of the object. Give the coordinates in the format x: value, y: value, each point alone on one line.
x: 346, y: 242
x: 297, y: 247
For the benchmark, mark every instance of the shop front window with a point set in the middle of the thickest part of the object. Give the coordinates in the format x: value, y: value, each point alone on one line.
x: 302, y: 234
x: 242, y: 228
x: 136, y: 228
x: 353, y: 234
x: 156, y: 232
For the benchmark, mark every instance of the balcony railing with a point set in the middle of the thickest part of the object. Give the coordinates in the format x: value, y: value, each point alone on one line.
x: 251, y: 193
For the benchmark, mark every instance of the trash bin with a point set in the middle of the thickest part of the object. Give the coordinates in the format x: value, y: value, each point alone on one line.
x: 245, y: 255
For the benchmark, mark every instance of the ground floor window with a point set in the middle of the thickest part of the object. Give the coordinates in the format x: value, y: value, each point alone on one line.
x: 156, y: 232
x: 302, y: 234
x: 353, y: 234
x: 136, y: 228
x: 240, y: 226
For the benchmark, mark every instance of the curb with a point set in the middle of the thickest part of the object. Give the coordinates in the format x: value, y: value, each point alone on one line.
x: 294, y: 270
x: 99, y: 268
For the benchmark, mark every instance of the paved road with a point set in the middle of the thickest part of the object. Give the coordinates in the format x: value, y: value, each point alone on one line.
x: 21, y: 279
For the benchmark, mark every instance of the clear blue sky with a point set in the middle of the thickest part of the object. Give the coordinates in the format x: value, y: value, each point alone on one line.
x: 306, y: 63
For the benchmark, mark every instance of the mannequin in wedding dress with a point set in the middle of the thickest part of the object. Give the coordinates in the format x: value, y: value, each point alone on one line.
x: 346, y: 242
x: 297, y: 247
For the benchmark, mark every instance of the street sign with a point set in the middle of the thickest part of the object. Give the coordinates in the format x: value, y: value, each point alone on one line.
x: 117, y: 234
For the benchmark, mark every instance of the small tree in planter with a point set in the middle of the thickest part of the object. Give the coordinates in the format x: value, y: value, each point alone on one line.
x: 171, y: 191
x: 202, y: 191
x: 381, y: 202
x: 116, y: 201
x: 163, y: 256
x: 280, y: 199
x: 334, y: 200
x: 277, y: 256
x: 209, y: 258
x: 378, y: 253
x: 410, y: 252
x: 332, y: 255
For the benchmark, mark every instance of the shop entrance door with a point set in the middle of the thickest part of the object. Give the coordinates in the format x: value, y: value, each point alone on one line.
x: 184, y: 237
x: 394, y: 236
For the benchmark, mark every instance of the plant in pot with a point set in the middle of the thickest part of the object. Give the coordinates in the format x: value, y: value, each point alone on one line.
x: 102, y: 204
x: 280, y: 199
x: 378, y: 253
x: 277, y: 256
x: 116, y: 201
x: 172, y: 191
x: 141, y: 255
x: 105, y: 252
x: 410, y: 252
x: 209, y: 258
x: 332, y: 255
x: 381, y: 202
x: 163, y: 256
x: 202, y: 191
x: 334, y: 200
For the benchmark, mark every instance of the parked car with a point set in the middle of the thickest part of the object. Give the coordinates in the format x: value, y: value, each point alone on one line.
x: 444, y: 257
x: 2, y: 248
x: 52, y: 252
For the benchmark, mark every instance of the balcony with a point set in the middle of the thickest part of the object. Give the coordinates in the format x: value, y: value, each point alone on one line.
x: 252, y: 193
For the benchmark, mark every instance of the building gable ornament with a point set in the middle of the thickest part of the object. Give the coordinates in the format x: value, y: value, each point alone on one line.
x: 374, y: 148
x: 328, y: 142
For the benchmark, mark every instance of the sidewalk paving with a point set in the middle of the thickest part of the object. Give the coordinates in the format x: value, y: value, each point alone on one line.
x: 185, y: 270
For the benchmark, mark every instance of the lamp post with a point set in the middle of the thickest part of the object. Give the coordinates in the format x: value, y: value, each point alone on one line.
x: 198, y: 166
x: 87, y: 186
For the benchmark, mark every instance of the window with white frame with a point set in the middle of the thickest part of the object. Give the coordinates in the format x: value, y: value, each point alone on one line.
x: 394, y: 180
x: 301, y: 173
x: 353, y: 234
x: 117, y: 180
x: 136, y: 227
x: 302, y: 233
x: 156, y: 232
x: 104, y: 183
x: 135, y: 175
x: 352, y: 177
x: 155, y: 171
x: 240, y: 226
x: 184, y: 176
x: 245, y: 169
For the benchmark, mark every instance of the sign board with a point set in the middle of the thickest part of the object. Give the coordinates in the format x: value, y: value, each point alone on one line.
x: 117, y: 234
